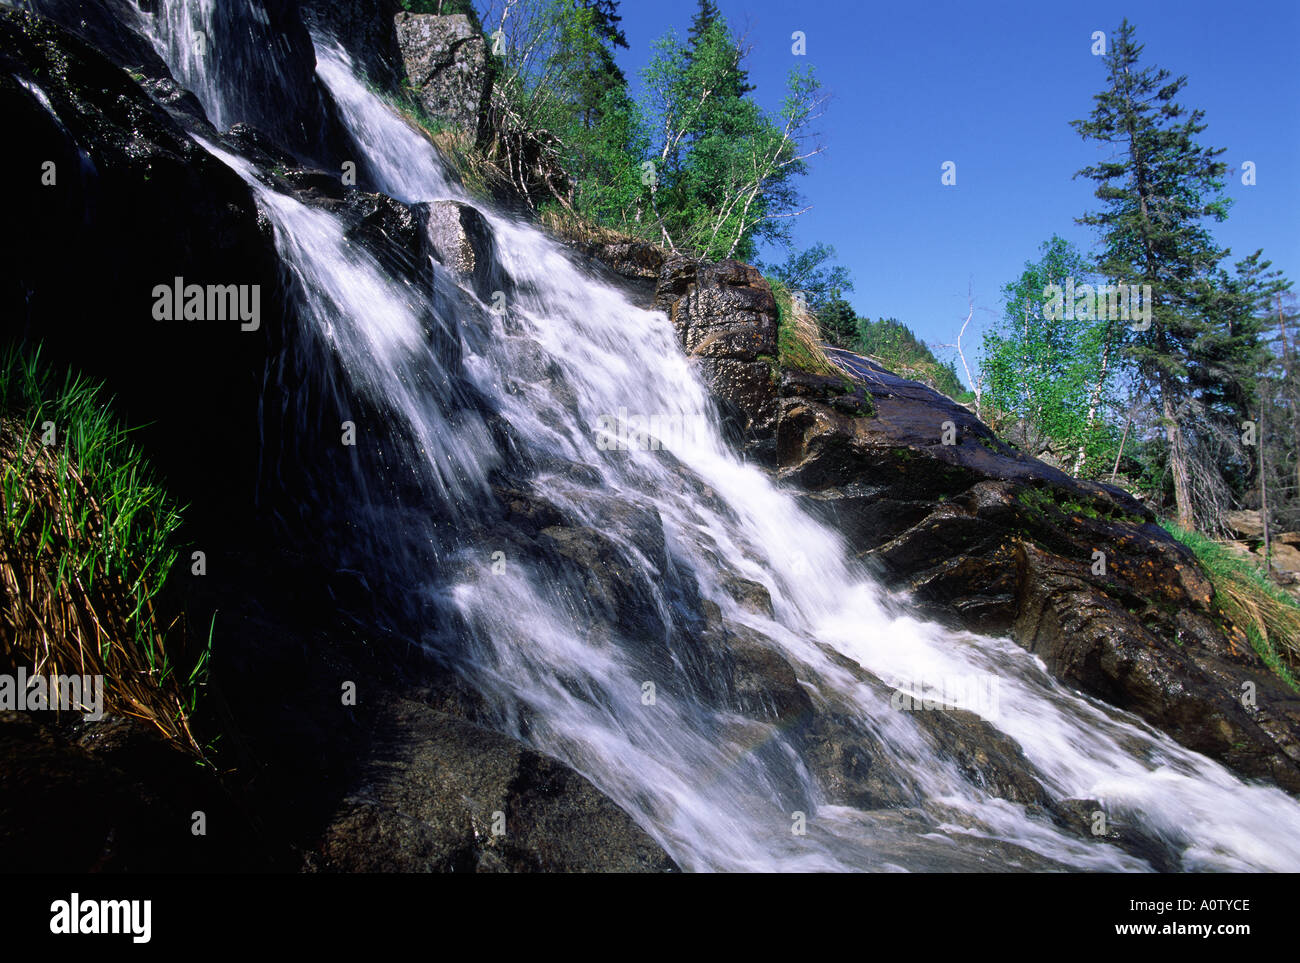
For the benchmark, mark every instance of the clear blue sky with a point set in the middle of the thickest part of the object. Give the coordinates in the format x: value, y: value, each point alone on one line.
x: 992, y: 87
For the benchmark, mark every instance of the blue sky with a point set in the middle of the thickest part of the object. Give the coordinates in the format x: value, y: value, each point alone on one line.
x: 992, y: 87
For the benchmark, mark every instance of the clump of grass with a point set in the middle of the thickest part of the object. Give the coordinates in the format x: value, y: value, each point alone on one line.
x: 87, y: 541
x: 799, y: 339
x: 1268, y: 617
x: 1042, y: 499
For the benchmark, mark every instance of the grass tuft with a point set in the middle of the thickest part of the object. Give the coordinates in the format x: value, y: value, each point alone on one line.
x: 799, y: 339
x: 87, y: 541
x: 1268, y: 617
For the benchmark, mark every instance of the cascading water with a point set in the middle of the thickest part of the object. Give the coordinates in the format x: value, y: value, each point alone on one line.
x: 715, y: 789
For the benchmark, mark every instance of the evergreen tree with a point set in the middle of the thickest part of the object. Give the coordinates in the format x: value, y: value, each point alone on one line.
x: 1155, y: 198
x: 1279, y: 419
x: 604, y: 74
x: 839, y: 323
x: 708, y: 20
x: 1257, y: 384
x: 893, y: 345
x: 706, y: 15
x: 588, y: 36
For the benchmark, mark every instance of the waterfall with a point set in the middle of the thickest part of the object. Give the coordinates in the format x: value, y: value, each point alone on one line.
x: 717, y: 790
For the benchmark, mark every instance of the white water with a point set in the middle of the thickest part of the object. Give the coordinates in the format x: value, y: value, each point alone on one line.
x: 716, y: 790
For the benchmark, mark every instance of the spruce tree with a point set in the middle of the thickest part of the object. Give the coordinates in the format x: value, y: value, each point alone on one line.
x: 705, y: 17
x: 588, y: 36
x: 709, y: 29
x: 1156, y: 195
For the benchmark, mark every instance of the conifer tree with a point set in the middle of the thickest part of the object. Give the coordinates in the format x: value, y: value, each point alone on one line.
x: 1156, y: 195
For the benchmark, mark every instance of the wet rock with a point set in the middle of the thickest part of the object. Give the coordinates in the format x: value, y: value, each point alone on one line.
x: 726, y: 317
x: 136, y: 204
x: 462, y: 242
x: 102, y: 25
x: 751, y: 595
x: 984, y: 755
x: 1091, y: 820
x: 990, y: 540
x: 723, y: 310
x: 443, y: 795
x: 363, y: 28
x: 984, y: 536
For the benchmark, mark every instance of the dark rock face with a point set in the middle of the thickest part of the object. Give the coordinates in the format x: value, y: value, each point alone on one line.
x: 363, y: 28
x: 101, y: 26
x: 726, y: 317
x: 444, y: 795
x: 227, y: 410
x: 1074, y: 571
x: 112, y: 796
x: 122, y: 167
x: 446, y: 62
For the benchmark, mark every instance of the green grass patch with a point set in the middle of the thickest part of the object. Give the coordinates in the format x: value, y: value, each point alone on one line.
x: 1268, y: 616
x: 1042, y: 499
x: 800, y: 341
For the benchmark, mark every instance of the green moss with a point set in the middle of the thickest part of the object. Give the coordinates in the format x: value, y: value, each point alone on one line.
x: 1043, y: 499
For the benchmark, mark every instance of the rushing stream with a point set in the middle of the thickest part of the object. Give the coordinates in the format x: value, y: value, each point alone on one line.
x: 717, y: 791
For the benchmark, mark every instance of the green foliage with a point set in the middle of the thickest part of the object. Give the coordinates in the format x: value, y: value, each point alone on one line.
x: 1278, y: 388
x: 798, y: 337
x: 697, y: 166
x: 1041, y: 500
x: 839, y: 322
x: 136, y: 542
x: 1157, y: 193
x: 811, y: 273
x: 1049, y: 381
x: 724, y: 169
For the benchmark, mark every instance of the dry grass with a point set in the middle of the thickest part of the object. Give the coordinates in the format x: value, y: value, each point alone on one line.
x: 472, y: 168
x: 568, y: 225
